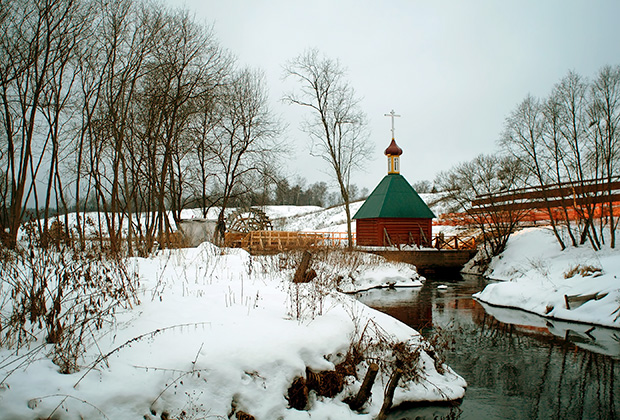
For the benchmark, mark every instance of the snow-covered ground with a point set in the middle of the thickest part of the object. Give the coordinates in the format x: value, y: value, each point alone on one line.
x: 218, y: 331
x: 537, y: 276
x: 332, y: 219
x: 356, y: 272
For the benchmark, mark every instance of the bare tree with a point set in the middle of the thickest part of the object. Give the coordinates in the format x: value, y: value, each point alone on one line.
x: 581, y: 161
x: 604, y: 113
x: 246, y: 139
x: 337, y: 126
x: 486, y: 175
x: 523, y: 138
x: 180, y: 80
x: 202, y: 132
x: 128, y: 35
x: 569, y: 146
x: 145, y: 82
x: 556, y: 151
x: 37, y: 43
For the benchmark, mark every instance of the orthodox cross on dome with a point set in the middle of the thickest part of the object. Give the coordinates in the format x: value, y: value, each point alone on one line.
x: 392, y: 114
x: 393, y: 152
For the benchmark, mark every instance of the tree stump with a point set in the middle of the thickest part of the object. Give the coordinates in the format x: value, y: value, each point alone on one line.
x: 365, y: 390
x: 300, y: 273
x: 389, y: 394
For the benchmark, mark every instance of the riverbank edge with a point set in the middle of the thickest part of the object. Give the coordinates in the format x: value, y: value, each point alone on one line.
x: 353, y: 292
x: 544, y: 316
x: 532, y: 265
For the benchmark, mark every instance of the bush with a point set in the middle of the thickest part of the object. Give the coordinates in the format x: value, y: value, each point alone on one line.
x: 60, y: 296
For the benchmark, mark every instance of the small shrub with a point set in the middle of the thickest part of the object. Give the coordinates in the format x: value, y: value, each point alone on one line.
x: 582, y: 270
x: 58, y: 233
x: 373, y: 344
x: 436, y: 347
x: 60, y: 295
x: 539, y: 265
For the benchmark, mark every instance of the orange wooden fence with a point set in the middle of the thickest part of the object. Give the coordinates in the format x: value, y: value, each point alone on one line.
x: 273, y: 240
x: 536, y: 215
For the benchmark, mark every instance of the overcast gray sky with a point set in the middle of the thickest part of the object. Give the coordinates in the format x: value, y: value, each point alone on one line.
x: 453, y: 70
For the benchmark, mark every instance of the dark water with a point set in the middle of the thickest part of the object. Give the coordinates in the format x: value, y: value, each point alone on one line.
x: 517, y: 365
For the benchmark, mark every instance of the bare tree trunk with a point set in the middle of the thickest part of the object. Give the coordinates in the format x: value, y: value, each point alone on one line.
x: 389, y: 394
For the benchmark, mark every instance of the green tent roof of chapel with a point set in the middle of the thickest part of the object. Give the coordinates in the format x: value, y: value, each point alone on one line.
x: 394, y: 197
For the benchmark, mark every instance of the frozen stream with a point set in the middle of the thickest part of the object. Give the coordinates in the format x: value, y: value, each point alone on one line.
x: 518, y: 366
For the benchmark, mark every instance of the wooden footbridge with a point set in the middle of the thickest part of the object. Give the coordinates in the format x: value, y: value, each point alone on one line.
x: 445, y: 252
x: 274, y: 240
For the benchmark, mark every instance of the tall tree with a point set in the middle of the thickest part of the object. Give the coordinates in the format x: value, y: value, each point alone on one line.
x: 38, y: 39
x: 337, y: 126
x: 604, y: 113
x: 180, y: 78
x: 129, y: 35
x: 581, y: 161
x: 246, y: 139
x: 556, y: 151
x: 523, y: 138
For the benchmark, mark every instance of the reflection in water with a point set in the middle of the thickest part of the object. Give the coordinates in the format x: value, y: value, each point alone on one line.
x: 517, y: 365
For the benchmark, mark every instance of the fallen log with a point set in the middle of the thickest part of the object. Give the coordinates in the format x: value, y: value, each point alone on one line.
x: 575, y: 301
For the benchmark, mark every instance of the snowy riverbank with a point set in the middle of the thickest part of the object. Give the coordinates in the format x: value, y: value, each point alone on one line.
x: 536, y: 276
x: 219, y: 331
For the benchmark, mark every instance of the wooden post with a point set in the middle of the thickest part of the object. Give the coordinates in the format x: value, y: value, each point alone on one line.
x: 365, y: 390
x: 423, y: 236
x: 389, y: 394
x: 300, y: 274
x: 386, y: 236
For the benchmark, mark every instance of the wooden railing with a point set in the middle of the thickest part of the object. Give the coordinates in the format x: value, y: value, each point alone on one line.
x: 564, y: 189
x: 453, y: 242
x: 273, y: 240
x: 331, y: 238
x: 566, y: 195
x: 533, y: 216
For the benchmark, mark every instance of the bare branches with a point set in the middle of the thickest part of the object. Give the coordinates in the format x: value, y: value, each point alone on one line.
x: 245, y: 142
x: 336, y: 125
x: 485, y: 174
x: 39, y: 39
x: 116, y: 106
x: 572, y: 137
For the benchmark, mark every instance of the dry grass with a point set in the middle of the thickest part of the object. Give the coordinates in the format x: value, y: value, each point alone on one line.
x: 582, y: 270
x: 60, y: 294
